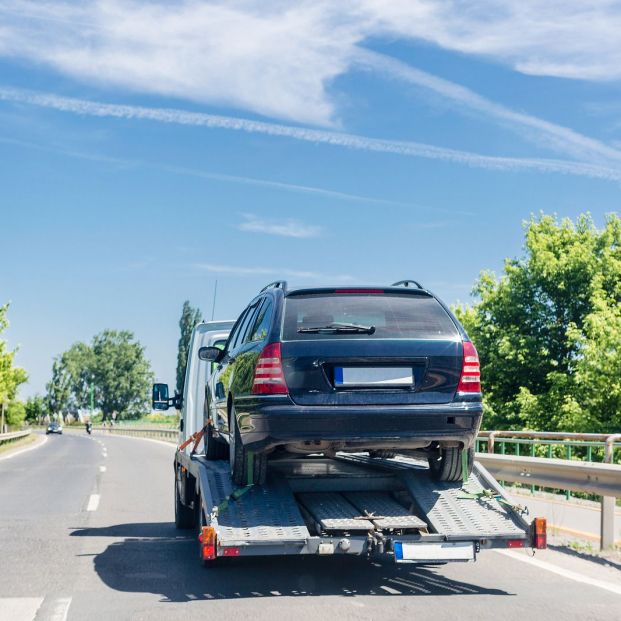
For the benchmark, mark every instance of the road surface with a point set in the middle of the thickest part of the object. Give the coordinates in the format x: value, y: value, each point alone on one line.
x: 86, y: 532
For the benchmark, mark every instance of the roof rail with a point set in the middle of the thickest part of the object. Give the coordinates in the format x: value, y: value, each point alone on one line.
x: 407, y: 283
x: 277, y: 284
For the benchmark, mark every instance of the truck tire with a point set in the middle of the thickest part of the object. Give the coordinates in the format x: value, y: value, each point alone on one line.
x: 214, y: 448
x: 238, y: 458
x: 445, y: 463
x: 185, y: 517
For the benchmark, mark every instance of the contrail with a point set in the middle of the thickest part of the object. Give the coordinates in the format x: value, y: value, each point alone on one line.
x: 317, y: 136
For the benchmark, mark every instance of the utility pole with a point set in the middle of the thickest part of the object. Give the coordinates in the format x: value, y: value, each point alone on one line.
x: 2, y: 408
x: 92, y: 391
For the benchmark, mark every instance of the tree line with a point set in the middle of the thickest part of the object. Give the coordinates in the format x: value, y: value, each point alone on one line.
x: 548, y: 333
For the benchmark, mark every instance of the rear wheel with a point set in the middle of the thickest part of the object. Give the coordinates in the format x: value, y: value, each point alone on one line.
x: 214, y: 448
x: 185, y: 517
x: 446, y: 463
x: 239, y: 458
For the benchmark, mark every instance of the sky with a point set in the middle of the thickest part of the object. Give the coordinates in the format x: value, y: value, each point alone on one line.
x: 148, y: 149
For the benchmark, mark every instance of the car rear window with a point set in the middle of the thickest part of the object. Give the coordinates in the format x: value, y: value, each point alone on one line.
x: 393, y: 316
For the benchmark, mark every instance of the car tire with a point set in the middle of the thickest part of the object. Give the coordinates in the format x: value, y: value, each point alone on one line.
x: 214, y: 448
x: 238, y: 458
x: 445, y: 463
x: 185, y: 517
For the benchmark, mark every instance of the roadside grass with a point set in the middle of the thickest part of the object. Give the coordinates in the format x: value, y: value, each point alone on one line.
x: 6, y: 447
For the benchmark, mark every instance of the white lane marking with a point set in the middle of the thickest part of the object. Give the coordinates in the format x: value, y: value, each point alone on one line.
x: 102, y: 468
x: 25, y: 450
x: 19, y: 608
x: 60, y: 609
x: 572, y: 575
x: 104, y: 454
x: 93, y: 502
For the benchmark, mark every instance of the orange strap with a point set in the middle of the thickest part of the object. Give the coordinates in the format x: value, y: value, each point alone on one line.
x: 196, y: 438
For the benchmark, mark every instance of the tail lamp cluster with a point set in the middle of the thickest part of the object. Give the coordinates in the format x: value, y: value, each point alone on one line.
x: 470, y: 380
x: 269, y: 378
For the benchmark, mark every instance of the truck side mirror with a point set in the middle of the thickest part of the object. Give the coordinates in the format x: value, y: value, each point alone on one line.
x: 210, y: 354
x: 160, y: 399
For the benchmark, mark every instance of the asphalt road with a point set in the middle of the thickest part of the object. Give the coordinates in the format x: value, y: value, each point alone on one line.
x: 86, y: 532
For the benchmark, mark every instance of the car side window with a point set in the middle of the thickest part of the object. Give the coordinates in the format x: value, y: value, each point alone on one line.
x: 243, y: 329
x: 262, y: 324
x: 230, y: 344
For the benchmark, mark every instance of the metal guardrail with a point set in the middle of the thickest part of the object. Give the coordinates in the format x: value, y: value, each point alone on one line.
x: 570, y: 474
x: 15, y: 435
x: 167, y: 435
x: 579, y: 476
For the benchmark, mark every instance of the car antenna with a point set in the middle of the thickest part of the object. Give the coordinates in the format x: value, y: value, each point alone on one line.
x: 215, y: 293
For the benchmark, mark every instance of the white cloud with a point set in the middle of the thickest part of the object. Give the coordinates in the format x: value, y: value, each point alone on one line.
x: 544, y: 133
x: 284, y: 228
x: 279, y: 272
x: 339, y: 139
x: 279, y: 58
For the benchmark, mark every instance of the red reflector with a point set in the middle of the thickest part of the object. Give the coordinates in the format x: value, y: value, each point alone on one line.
x: 207, y: 538
x: 540, y: 532
x: 358, y: 291
x: 230, y: 551
x: 470, y: 380
x: 516, y: 543
x: 269, y: 378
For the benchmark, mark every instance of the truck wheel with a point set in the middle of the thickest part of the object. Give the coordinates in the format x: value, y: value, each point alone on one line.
x: 238, y: 458
x: 214, y: 449
x: 445, y: 464
x: 185, y: 517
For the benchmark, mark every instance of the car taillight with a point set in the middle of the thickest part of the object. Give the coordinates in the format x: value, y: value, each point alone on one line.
x: 470, y: 380
x: 269, y: 378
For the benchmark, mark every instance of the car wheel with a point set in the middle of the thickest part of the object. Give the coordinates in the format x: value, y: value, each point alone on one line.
x: 185, y: 517
x: 214, y: 448
x: 445, y: 464
x: 238, y: 458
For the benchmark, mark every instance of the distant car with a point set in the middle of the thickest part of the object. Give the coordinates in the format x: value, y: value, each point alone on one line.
x: 326, y: 369
x: 54, y: 428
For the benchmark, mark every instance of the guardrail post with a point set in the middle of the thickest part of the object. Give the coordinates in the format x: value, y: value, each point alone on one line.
x: 607, y: 540
x: 490, y: 442
x: 608, y: 506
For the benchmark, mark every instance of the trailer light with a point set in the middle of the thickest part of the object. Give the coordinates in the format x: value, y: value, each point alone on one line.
x: 540, y: 532
x: 230, y: 551
x: 207, y: 539
x: 516, y: 543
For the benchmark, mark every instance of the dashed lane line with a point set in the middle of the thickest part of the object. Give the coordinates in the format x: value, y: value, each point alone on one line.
x: 566, y: 573
x: 93, y: 502
x: 102, y: 468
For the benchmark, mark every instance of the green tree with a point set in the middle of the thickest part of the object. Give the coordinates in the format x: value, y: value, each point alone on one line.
x: 15, y: 414
x: 72, y: 378
x: 189, y: 318
x: 10, y: 376
x: 548, y: 331
x: 121, y: 374
x: 35, y: 408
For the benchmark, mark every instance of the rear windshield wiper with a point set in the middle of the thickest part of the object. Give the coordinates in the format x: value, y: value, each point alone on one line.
x: 338, y: 328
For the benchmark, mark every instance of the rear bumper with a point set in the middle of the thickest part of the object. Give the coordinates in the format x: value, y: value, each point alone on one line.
x: 264, y: 427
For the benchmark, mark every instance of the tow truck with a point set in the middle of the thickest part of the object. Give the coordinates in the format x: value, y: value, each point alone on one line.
x: 348, y: 504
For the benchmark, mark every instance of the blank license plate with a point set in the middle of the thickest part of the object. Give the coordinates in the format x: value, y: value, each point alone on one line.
x: 443, y: 551
x: 373, y: 376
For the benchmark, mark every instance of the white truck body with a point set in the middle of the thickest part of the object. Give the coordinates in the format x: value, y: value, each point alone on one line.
x: 198, y: 373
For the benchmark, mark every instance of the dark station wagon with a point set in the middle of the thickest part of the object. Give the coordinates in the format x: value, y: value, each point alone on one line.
x: 327, y: 369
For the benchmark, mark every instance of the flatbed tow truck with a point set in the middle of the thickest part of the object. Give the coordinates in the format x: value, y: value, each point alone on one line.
x: 350, y: 504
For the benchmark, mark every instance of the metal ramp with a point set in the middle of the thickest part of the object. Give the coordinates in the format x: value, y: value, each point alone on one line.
x: 440, y: 503
x: 264, y: 514
x: 384, y: 511
x: 333, y: 512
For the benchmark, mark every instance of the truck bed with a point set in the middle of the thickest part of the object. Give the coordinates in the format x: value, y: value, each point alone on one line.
x: 353, y: 504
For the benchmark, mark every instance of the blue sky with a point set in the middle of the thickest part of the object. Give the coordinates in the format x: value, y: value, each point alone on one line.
x: 147, y: 150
